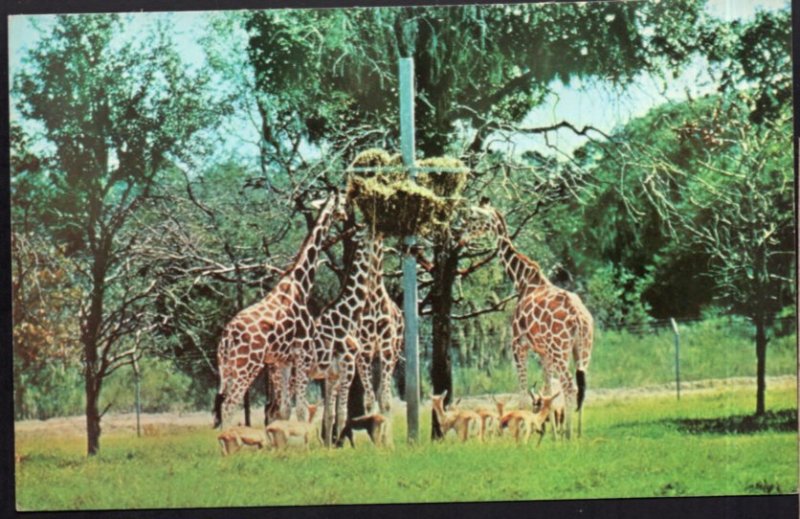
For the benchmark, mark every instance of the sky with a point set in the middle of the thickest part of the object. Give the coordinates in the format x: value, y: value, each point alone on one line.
x: 592, y: 104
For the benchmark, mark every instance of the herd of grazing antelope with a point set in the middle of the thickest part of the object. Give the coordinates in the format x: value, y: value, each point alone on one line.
x: 478, y: 422
x: 280, y: 335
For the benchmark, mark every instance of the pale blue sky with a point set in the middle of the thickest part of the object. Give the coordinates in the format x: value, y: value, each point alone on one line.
x: 581, y: 104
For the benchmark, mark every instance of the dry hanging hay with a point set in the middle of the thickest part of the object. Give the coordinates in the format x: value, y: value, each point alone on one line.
x: 444, y: 183
x: 447, y: 185
x: 395, y: 205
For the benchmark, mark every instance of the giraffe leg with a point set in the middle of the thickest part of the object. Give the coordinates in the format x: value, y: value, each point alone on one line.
x: 347, y: 371
x: 278, y: 384
x: 364, y: 365
x: 238, y: 387
x: 569, y: 391
x: 387, y: 369
x: 388, y: 363
x: 302, y: 365
x: 327, y: 413
x: 285, y: 381
x: 520, y: 349
x: 552, y: 416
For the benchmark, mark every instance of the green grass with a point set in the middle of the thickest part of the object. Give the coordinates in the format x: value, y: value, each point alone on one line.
x: 633, y: 446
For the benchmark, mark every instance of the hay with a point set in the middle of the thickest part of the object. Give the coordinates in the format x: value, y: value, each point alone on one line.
x: 395, y: 205
x: 443, y: 183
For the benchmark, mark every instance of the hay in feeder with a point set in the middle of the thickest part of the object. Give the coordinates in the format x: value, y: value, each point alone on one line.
x: 443, y: 183
x: 395, y: 205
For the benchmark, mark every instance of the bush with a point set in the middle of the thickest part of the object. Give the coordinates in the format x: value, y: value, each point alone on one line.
x: 56, y: 389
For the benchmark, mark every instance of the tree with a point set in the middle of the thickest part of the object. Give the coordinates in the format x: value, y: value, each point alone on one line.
x: 43, y: 296
x: 709, y: 179
x: 737, y: 207
x: 334, y: 74
x: 114, y: 112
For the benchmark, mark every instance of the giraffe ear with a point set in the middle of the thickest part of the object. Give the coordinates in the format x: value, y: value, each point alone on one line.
x: 317, y: 204
x: 444, y: 395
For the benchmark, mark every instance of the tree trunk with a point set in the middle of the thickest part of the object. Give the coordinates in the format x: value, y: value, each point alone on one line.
x: 444, y: 276
x: 761, y: 364
x: 92, y: 414
x: 247, y: 408
x: 19, y: 396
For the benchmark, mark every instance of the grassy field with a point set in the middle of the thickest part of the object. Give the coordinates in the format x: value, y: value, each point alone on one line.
x: 635, y: 444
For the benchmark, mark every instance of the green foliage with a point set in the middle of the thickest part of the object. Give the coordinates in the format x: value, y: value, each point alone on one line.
x: 50, y: 390
x: 162, y: 389
x: 305, y: 62
x: 615, y: 296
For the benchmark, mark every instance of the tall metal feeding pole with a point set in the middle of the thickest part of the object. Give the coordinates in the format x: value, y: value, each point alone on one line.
x: 409, y: 262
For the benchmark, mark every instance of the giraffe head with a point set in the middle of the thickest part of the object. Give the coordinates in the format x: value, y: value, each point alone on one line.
x: 334, y: 204
x: 482, y: 220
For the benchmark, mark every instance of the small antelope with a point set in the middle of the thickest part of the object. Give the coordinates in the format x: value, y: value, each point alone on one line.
x: 462, y: 421
x: 240, y: 436
x: 372, y: 423
x: 280, y: 431
x: 557, y: 408
x: 522, y: 422
x: 488, y: 418
x: 500, y: 405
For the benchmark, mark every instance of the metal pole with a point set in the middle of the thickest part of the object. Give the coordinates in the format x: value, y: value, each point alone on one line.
x: 409, y: 262
x: 137, y: 396
x: 677, y: 356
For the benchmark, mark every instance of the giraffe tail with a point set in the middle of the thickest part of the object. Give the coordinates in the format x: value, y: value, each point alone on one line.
x: 580, y: 377
x: 218, y: 409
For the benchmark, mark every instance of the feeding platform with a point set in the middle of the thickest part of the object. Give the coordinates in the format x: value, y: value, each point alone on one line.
x: 396, y: 204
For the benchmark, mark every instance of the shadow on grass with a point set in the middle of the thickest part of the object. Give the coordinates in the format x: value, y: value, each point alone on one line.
x: 784, y: 420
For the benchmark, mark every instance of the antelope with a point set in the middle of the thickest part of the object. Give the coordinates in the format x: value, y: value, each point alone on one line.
x: 280, y: 431
x: 241, y: 436
x: 522, y: 422
x: 557, y: 410
x: 488, y: 417
x: 460, y: 420
x: 374, y: 424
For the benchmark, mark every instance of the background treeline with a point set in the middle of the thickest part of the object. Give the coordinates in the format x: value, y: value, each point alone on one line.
x: 152, y: 199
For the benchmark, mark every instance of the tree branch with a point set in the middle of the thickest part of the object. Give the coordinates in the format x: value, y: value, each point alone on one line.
x: 496, y: 307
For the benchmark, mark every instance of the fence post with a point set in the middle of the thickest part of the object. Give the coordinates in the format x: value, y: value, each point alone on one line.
x: 677, y: 356
x: 406, y: 87
x: 137, y: 395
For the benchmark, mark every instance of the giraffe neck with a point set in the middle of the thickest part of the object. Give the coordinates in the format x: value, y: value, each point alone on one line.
x: 358, y: 279
x: 523, y: 271
x: 376, y: 262
x: 305, y: 266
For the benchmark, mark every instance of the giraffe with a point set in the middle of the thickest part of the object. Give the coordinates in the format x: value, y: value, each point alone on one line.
x: 277, y: 331
x: 381, y: 335
x: 337, y: 346
x: 547, y: 319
